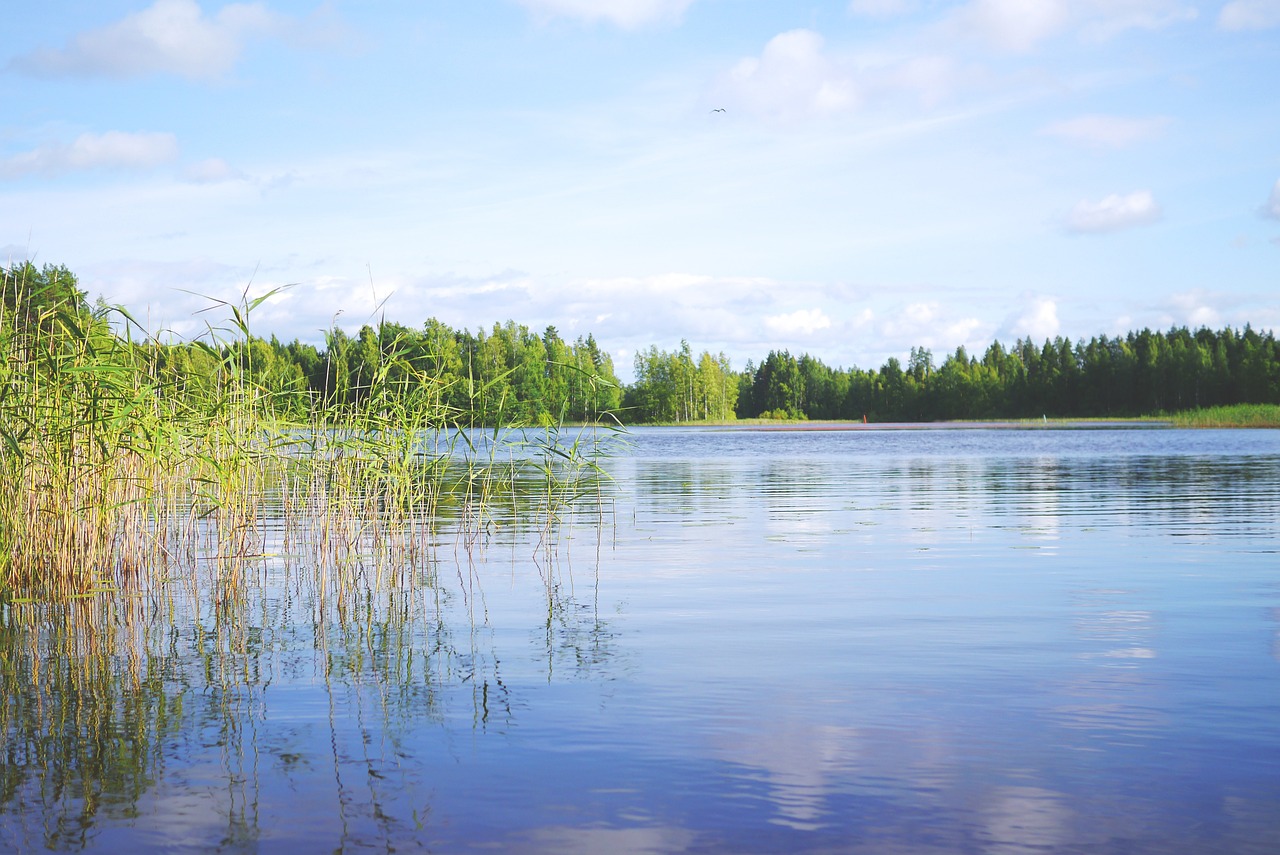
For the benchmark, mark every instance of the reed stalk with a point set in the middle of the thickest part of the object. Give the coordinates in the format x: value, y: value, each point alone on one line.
x: 129, y: 466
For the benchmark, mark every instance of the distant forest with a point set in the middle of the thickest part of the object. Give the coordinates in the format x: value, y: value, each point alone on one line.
x: 529, y: 378
x: 512, y: 375
x: 1142, y: 373
x: 508, y: 375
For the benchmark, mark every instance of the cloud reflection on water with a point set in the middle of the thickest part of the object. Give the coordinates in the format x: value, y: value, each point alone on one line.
x: 749, y: 661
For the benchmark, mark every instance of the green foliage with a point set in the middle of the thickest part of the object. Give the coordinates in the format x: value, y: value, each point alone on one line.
x: 30, y: 292
x: 674, y: 387
x: 1234, y: 416
x: 123, y: 458
x: 1142, y: 373
x: 783, y: 415
x: 508, y: 376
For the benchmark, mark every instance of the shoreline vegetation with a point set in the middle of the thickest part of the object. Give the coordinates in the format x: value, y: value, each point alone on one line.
x: 1233, y: 416
x: 1141, y: 374
x: 510, y: 375
x: 129, y: 462
x: 128, y: 458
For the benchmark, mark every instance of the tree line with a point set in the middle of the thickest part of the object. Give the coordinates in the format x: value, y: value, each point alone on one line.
x: 509, y: 374
x: 1140, y: 373
x: 506, y: 375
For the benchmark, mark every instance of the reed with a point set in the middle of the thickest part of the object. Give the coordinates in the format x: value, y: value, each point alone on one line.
x: 177, y: 532
x: 1233, y: 416
x: 131, y: 462
x: 73, y: 420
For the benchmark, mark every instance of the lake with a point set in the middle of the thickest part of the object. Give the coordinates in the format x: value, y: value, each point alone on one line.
x: 884, y: 641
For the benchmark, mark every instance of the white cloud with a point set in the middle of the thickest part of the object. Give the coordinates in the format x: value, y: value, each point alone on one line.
x: 1107, y: 131
x: 1113, y: 213
x: 796, y: 76
x: 1015, y: 25
x: 791, y: 77
x: 921, y: 314
x: 1213, y: 309
x: 1037, y: 320
x: 1272, y: 207
x: 1020, y: 26
x: 1192, y: 309
x: 171, y: 36
x: 926, y: 324
x: 881, y: 8
x: 163, y: 296
x: 1250, y: 15
x: 112, y: 150
x: 627, y: 14
x: 801, y: 322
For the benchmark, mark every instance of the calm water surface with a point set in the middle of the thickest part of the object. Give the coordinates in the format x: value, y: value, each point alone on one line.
x: 986, y: 641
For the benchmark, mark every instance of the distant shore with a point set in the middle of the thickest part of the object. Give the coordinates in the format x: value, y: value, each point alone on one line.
x: 1005, y: 424
x: 1235, y: 416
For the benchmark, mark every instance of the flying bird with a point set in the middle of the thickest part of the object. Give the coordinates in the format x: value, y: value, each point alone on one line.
x: 718, y: 110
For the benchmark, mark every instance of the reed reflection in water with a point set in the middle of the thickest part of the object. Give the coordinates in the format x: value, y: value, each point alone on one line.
x: 278, y: 691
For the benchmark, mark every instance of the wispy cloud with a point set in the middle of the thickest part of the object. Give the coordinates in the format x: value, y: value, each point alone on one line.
x: 1014, y: 25
x: 1019, y: 26
x: 112, y: 150
x: 1100, y: 131
x: 1105, y: 19
x: 212, y: 171
x: 793, y: 76
x: 881, y: 8
x: 627, y: 14
x: 1250, y: 15
x: 1113, y: 213
x: 170, y: 36
x: 796, y: 76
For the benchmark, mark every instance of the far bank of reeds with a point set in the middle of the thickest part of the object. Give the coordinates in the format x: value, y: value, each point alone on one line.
x: 127, y: 461
x: 1236, y: 416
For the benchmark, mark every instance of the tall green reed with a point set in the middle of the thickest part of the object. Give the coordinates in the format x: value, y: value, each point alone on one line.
x: 79, y: 446
x: 1231, y: 416
x: 132, y: 461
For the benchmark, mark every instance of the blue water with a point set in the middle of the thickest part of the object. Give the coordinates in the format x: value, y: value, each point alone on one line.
x: 986, y: 641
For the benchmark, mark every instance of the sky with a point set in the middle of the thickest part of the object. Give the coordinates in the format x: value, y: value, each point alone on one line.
x: 848, y: 179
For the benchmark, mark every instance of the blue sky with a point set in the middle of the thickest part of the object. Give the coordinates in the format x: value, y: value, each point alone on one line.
x: 848, y: 178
